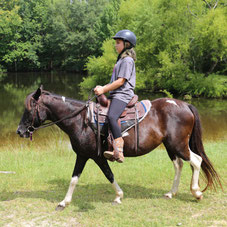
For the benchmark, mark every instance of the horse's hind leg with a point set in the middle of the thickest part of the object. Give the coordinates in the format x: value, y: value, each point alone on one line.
x: 104, y: 166
x: 178, y: 165
x: 183, y: 151
x: 195, y: 161
x: 79, y: 166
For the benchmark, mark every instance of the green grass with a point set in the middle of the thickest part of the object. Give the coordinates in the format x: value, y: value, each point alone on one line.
x: 43, y: 172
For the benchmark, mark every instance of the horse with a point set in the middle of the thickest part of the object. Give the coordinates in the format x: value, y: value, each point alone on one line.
x: 172, y: 122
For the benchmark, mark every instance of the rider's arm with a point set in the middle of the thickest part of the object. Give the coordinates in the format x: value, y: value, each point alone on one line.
x: 109, y: 87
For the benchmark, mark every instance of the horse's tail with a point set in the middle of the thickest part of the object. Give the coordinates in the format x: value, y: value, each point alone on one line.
x: 196, y: 145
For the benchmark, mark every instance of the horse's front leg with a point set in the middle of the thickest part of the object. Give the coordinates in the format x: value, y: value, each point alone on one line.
x: 104, y: 166
x: 79, y: 166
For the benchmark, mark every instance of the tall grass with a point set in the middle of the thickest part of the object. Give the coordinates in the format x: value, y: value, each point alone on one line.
x: 42, y: 175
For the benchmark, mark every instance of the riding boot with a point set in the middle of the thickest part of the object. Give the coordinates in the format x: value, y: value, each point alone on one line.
x: 119, y: 142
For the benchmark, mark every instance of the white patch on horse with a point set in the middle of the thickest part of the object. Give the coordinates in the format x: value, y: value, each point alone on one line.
x: 63, y: 98
x: 68, y: 197
x: 178, y: 164
x: 195, y: 161
x: 119, y: 192
x: 172, y: 102
x: 125, y: 134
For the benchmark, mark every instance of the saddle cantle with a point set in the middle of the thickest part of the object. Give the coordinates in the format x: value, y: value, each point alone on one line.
x: 133, y: 111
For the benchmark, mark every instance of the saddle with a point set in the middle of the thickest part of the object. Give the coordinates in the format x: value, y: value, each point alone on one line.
x: 133, y: 114
x: 131, y: 109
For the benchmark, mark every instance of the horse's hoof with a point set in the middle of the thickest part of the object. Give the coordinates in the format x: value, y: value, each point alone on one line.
x: 168, y: 196
x: 199, y: 198
x: 59, y: 208
x: 198, y: 195
x: 115, y: 203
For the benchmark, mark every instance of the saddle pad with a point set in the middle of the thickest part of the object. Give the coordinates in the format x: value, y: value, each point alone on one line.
x: 127, y: 119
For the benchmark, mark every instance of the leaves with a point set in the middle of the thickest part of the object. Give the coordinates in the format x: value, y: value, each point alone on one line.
x: 177, y: 40
x: 40, y: 34
x: 179, y: 43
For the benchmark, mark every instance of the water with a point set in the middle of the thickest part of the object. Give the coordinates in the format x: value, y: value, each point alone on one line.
x: 15, y: 87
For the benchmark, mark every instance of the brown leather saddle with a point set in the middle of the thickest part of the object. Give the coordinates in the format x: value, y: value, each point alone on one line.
x: 131, y: 116
x: 134, y: 110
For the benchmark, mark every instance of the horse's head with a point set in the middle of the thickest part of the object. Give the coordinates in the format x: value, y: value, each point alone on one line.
x: 34, y: 115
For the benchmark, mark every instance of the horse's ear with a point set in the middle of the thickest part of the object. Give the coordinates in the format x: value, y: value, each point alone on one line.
x: 37, y: 94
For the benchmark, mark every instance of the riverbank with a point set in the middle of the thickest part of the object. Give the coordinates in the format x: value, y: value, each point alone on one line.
x: 15, y: 88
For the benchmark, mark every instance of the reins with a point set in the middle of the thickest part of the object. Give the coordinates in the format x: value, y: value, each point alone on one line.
x: 32, y: 128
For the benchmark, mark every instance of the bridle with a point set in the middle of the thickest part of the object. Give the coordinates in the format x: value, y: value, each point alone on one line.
x: 32, y: 128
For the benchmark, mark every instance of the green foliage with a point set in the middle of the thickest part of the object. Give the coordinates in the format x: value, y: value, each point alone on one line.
x: 179, y: 43
x: 209, y: 44
x: 72, y: 33
x: 40, y: 34
x: 107, y: 21
x: 210, y: 86
x: 10, y: 23
x: 2, y: 69
x: 21, y: 29
x: 100, y: 67
x: 168, y: 94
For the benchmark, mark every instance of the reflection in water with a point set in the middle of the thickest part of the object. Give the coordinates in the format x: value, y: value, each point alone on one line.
x: 15, y: 87
x: 213, y: 114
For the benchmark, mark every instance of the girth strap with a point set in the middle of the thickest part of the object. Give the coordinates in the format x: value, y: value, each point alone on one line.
x: 98, y: 133
x: 136, y: 130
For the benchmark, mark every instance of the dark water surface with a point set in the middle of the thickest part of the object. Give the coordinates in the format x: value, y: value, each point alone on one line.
x: 15, y: 87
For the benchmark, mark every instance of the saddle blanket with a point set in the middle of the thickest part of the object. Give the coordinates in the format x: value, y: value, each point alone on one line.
x: 127, y: 119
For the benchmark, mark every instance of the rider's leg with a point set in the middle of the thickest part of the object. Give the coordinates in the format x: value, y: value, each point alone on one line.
x: 115, y: 111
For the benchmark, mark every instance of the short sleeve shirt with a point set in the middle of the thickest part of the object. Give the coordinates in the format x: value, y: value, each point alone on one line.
x: 125, y: 68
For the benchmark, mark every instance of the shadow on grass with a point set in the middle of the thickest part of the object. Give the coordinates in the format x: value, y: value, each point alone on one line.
x: 85, y: 195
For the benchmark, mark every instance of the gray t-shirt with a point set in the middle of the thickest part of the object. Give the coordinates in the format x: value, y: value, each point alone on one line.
x: 125, y: 68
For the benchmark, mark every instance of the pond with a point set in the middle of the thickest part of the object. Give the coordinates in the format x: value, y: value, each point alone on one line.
x: 15, y: 87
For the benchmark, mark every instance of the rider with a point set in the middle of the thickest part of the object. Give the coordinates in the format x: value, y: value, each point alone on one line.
x: 121, y: 86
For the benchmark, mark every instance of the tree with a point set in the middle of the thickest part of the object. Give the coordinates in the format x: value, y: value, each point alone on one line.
x: 72, y: 37
x: 209, y: 44
x: 22, y: 26
x: 10, y: 24
x: 178, y: 43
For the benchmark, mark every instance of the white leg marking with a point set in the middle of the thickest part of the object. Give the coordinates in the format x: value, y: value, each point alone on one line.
x: 178, y: 165
x: 119, y: 192
x: 172, y: 102
x: 195, y: 161
x: 68, y: 197
x: 63, y: 98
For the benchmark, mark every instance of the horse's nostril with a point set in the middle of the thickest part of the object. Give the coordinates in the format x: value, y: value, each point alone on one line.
x: 18, y: 132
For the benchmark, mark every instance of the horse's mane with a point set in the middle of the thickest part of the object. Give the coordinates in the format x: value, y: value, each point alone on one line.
x: 44, y: 92
x: 69, y: 100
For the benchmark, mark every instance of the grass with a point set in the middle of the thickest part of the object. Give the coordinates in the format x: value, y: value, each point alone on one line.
x: 43, y: 172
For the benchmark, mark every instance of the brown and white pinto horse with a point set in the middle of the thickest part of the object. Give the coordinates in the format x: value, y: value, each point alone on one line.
x: 172, y: 122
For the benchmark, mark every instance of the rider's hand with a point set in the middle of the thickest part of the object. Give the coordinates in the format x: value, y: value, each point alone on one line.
x: 99, y: 90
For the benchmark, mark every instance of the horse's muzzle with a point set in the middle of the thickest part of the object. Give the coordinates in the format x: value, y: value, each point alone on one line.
x: 22, y: 133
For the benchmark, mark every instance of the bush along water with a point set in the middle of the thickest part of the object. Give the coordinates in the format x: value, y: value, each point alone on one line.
x: 182, y: 47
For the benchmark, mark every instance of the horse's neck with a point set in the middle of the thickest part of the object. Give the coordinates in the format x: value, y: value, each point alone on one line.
x: 59, y: 107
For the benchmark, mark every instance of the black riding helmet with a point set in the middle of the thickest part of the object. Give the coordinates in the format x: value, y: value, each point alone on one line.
x: 126, y: 35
